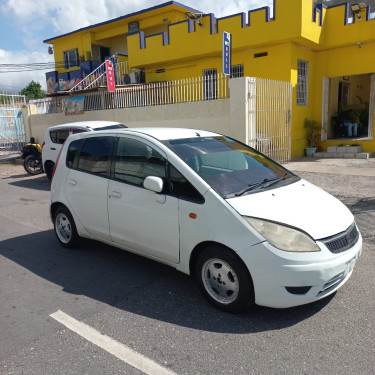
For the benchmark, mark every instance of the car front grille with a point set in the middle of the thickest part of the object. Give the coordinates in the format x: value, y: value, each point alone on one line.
x: 343, y: 241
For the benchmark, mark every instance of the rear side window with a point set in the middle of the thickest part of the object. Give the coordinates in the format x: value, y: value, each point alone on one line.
x: 136, y: 160
x: 59, y: 136
x: 73, y: 151
x: 95, y: 155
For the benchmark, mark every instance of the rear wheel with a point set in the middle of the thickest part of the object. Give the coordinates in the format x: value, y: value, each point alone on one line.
x: 65, y: 229
x: 48, y: 167
x: 224, y: 279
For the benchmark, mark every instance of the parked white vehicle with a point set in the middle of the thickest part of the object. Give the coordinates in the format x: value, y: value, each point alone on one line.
x: 249, y: 230
x: 55, y: 137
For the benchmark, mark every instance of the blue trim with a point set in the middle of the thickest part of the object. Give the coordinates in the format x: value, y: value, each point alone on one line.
x: 267, y: 9
x: 243, y: 20
x: 368, y: 13
x: 318, y: 9
x: 142, y: 41
x: 212, y: 22
x: 126, y: 16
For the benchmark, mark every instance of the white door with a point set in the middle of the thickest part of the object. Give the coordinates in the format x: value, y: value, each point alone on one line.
x: 142, y: 220
x: 87, y: 184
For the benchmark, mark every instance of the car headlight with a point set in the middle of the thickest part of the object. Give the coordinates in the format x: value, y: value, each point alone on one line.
x: 283, y: 237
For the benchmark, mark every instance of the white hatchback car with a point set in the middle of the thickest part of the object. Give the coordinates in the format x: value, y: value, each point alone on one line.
x: 249, y: 230
x: 55, y: 137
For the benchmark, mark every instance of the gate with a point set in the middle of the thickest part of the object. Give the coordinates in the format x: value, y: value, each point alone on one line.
x: 12, y: 133
x: 270, y: 117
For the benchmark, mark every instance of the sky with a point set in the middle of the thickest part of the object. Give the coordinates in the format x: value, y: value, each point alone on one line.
x: 24, y: 24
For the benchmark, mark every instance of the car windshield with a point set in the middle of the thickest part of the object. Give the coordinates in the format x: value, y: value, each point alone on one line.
x: 230, y: 167
x: 109, y: 127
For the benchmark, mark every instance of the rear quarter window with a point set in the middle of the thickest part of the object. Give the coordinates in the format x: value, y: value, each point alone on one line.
x: 94, y: 155
x: 73, y: 153
x: 59, y: 136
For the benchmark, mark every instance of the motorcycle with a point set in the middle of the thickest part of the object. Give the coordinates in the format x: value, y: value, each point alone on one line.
x: 32, y: 155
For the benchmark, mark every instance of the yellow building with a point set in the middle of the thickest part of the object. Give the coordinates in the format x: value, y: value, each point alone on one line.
x: 327, y: 53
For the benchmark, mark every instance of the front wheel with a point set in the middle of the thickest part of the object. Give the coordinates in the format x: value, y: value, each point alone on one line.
x: 224, y: 279
x: 33, y: 164
x: 65, y: 229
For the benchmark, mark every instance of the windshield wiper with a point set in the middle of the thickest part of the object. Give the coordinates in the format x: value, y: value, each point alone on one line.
x: 266, y: 182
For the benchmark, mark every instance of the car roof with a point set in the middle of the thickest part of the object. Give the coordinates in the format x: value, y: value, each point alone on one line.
x: 163, y: 134
x: 84, y: 124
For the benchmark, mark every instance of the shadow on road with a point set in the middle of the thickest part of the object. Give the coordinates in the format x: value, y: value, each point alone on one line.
x: 361, y: 205
x: 141, y: 286
x: 36, y: 183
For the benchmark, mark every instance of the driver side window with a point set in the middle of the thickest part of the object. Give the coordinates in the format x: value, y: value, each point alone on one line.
x: 136, y: 160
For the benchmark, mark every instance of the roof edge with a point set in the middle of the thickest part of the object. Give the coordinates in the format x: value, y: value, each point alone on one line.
x: 124, y: 17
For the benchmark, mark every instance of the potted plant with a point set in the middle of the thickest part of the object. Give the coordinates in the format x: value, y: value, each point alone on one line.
x: 312, y: 136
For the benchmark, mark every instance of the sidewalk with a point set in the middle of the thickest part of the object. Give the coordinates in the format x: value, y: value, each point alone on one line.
x: 353, y: 167
x: 350, y: 178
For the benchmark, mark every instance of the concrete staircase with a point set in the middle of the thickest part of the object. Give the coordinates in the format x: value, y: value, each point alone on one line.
x: 344, y: 152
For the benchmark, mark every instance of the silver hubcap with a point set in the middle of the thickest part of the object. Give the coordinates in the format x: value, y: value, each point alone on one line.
x: 220, y: 280
x: 63, y: 228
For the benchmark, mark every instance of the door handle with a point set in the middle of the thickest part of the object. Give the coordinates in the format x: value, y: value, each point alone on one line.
x: 73, y: 182
x: 115, y: 194
x: 53, y: 148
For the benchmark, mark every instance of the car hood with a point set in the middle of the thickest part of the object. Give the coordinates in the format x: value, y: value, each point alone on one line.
x: 301, y: 205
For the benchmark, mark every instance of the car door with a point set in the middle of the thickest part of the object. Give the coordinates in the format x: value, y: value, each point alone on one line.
x: 87, y: 183
x: 140, y: 219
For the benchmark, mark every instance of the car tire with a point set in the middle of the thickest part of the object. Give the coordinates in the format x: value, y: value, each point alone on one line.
x: 65, y: 228
x: 33, y: 165
x: 224, y: 279
x: 49, y: 169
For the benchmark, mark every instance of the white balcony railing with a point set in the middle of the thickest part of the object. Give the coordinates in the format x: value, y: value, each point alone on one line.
x: 98, y: 77
x: 141, y: 95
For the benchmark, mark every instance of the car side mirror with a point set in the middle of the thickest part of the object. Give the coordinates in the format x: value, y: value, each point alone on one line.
x: 153, y: 183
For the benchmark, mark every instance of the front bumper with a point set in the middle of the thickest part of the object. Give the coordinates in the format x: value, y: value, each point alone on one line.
x: 273, y: 270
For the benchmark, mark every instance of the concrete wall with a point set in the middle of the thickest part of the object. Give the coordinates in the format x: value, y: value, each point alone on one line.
x: 227, y: 116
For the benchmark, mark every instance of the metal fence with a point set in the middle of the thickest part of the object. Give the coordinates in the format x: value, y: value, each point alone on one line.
x: 141, y: 95
x: 12, y: 134
x: 270, y: 114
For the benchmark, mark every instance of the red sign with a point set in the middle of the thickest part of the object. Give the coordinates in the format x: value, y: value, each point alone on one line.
x: 110, y: 75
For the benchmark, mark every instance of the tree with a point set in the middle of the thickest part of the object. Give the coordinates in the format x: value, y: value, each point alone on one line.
x: 33, y: 91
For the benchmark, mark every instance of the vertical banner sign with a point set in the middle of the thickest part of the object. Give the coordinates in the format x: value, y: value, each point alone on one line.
x: 226, y: 52
x: 110, y: 75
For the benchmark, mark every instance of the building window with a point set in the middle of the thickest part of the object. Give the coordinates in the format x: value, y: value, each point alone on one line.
x: 209, y: 84
x: 302, y: 82
x: 71, y: 58
x: 236, y: 71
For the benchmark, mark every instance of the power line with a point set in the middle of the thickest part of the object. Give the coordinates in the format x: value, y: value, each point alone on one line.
x: 16, y: 68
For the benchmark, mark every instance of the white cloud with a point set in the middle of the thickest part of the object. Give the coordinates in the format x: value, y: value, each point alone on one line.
x: 17, y: 81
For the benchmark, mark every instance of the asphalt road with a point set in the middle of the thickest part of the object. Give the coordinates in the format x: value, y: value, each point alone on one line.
x: 159, y: 312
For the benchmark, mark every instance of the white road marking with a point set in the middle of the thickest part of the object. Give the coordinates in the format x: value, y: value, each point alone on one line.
x: 121, y: 351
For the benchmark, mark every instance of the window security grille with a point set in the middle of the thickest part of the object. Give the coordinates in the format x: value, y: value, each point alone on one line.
x: 236, y: 71
x: 209, y: 84
x: 71, y: 58
x: 302, y: 82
